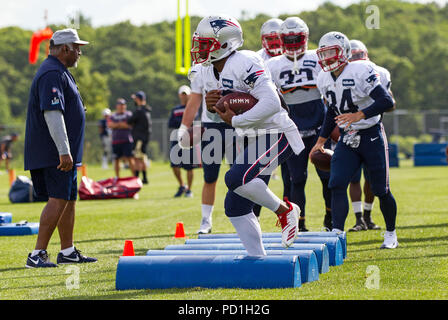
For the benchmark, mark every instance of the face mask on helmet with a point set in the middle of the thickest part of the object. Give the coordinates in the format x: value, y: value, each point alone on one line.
x: 294, y: 43
x: 331, y: 58
x: 272, y: 44
x: 202, y: 48
x: 358, y: 55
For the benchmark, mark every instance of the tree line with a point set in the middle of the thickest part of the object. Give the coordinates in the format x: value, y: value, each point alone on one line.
x: 411, y: 41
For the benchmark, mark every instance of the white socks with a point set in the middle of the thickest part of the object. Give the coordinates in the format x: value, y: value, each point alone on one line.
x: 68, y: 251
x: 207, y: 211
x: 248, y: 229
x: 357, y: 206
x: 368, y: 206
x: 257, y: 191
x: 35, y: 252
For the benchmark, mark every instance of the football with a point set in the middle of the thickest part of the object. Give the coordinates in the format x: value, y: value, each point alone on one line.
x: 322, y: 160
x: 239, y: 102
x: 192, y: 136
x: 334, y: 135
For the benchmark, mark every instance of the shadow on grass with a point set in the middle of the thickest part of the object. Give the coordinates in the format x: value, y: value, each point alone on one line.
x: 377, y: 248
x: 400, y: 240
x: 442, y: 225
x: 399, y: 258
x: 133, y: 294
x: 123, y: 239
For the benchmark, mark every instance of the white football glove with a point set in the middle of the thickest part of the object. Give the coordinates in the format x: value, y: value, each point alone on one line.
x: 182, y: 137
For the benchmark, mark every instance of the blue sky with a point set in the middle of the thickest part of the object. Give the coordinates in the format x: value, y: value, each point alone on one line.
x: 29, y: 14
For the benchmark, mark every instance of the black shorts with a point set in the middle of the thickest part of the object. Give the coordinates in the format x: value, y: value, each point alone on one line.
x: 54, y: 183
x: 122, y: 150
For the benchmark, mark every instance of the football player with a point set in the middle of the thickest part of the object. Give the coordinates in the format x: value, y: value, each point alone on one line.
x: 271, y: 47
x: 363, y: 210
x: 270, y: 136
x: 216, y: 131
x: 270, y: 39
x: 355, y: 100
x: 295, y: 74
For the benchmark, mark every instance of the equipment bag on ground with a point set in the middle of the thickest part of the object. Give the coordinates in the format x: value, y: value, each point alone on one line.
x: 111, y: 188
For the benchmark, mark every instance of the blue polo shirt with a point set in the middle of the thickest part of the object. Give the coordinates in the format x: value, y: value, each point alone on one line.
x: 53, y: 88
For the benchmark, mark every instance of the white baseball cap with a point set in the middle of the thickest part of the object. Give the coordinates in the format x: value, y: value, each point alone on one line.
x: 67, y: 36
x: 184, y: 89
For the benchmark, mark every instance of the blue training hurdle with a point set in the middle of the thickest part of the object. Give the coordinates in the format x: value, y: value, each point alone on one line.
x: 309, y: 269
x: 341, y: 235
x: 224, y: 271
x: 333, y: 243
x: 321, y: 250
x: 18, y: 229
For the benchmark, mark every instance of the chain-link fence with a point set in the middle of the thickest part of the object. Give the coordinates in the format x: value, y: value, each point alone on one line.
x: 401, y: 125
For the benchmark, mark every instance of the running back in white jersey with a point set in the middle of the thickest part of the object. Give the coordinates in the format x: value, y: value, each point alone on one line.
x: 244, y: 71
x: 199, y: 86
x: 297, y: 82
x: 350, y: 91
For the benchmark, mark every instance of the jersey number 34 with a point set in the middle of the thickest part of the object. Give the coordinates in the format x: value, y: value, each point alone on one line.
x: 346, y: 105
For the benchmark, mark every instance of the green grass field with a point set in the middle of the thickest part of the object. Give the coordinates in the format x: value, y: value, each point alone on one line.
x: 418, y: 269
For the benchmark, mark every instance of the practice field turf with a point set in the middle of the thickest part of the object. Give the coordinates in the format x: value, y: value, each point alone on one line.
x: 418, y: 269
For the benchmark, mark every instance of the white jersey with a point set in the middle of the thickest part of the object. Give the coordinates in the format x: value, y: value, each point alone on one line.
x: 264, y: 55
x: 198, y: 86
x: 350, y: 91
x: 384, y: 76
x: 296, y: 86
x: 244, y: 71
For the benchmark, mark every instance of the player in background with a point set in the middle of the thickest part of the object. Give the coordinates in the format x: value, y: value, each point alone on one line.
x: 270, y: 136
x: 295, y: 74
x: 271, y: 47
x: 355, y: 100
x: 363, y: 210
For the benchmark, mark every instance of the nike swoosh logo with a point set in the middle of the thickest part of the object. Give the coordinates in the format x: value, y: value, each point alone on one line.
x: 71, y: 259
x: 248, y: 70
x: 373, y: 139
x: 35, y: 262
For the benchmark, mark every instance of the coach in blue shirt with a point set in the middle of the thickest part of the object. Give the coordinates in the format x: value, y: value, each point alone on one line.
x: 54, y: 145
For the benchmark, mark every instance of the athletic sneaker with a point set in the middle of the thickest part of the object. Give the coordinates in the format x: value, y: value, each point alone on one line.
x: 289, y: 221
x: 370, y: 224
x: 390, y: 240
x: 206, y: 226
x: 188, y: 194
x: 359, y: 226
x: 40, y: 260
x: 180, y: 192
x: 74, y: 257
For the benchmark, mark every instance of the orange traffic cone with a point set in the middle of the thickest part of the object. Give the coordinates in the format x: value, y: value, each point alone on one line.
x: 84, y: 170
x: 180, y: 233
x: 128, y: 249
x: 12, y: 176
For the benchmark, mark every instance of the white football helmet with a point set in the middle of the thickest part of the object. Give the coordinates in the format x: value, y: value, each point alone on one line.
x: 215, y: 38
x: 359, y: 50
x: 334, y: 50
x: 294, y: 36
x: 270, y: 36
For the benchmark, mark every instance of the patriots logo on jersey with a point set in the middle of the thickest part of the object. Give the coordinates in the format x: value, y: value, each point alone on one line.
x: 372, y: 78
x: 252, y: 78
x: 219, y: 24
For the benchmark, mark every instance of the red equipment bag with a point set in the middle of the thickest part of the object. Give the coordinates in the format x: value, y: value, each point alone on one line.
x: 111, y: 188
